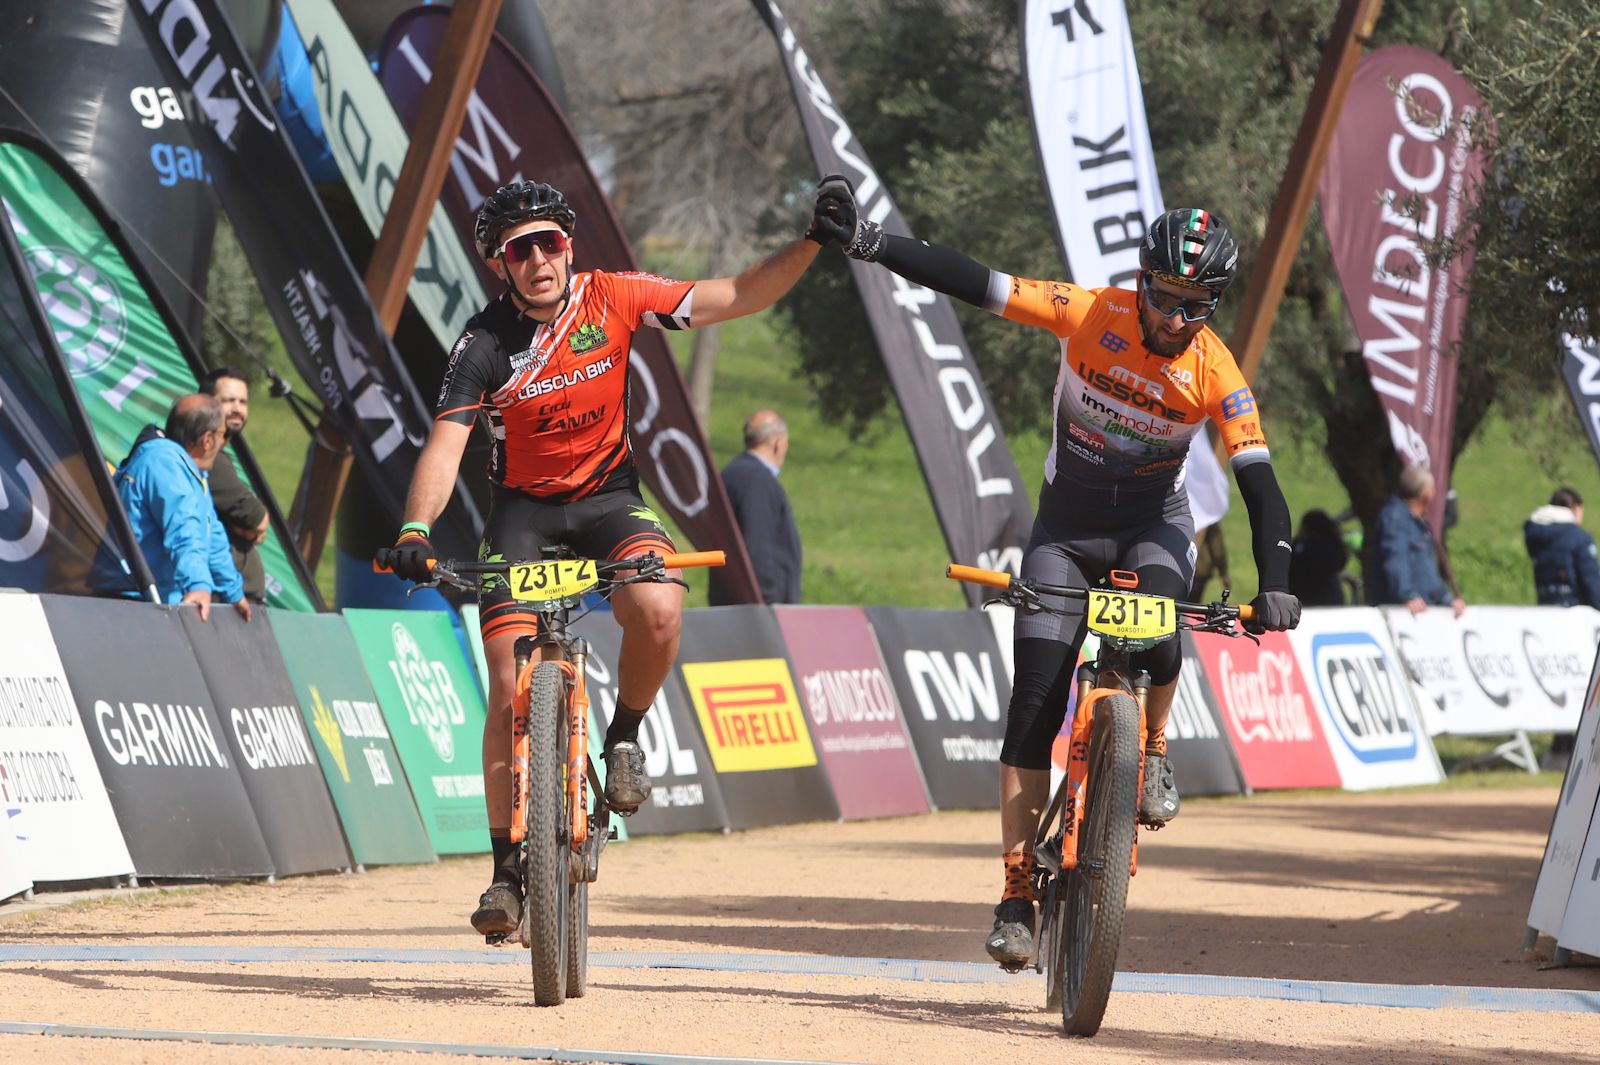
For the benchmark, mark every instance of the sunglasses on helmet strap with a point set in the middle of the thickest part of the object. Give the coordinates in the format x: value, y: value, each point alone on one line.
x: 551, y: 242
x: 1168, y: 304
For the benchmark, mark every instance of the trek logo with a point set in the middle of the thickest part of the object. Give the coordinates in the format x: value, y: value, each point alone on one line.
x: 1365, y: 695
x: 952, y: 686
x: 750, y: 715
x: 429, y: 695
x: 1494, y: 671
x: 1237, y: 404
x: 587, y: 337
x: 1113, y: 342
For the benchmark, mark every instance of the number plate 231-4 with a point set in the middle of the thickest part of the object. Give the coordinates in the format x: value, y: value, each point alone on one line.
x: 1135, y: 616
x: 563, y: 578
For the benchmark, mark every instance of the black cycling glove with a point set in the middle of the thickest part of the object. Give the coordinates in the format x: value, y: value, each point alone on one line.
x: 409, y: 558
x: 1275, y: 611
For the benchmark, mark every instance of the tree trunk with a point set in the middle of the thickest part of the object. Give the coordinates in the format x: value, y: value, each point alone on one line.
x: 1359, y: 446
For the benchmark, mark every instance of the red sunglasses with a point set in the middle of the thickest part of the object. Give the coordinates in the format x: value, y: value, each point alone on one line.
x: 551, y: 242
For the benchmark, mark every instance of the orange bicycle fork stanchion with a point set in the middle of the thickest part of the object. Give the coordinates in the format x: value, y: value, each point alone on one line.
x: 577, y: 748
x: 1078, y: 762
x: 520, y: 745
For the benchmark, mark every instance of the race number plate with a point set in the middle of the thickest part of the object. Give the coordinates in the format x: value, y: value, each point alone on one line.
x: 1134, y: 616
x: 562, y: 578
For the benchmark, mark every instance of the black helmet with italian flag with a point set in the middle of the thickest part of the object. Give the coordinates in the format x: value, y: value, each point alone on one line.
x: 1188, y: 246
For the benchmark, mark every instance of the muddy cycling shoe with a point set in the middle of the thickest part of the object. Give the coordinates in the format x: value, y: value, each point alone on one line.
x: 499, y: 910
x: 627, y: 780
x: 1011, y: 942
x: 1158, y: 796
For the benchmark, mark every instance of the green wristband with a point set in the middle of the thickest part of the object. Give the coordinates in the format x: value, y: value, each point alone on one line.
x: 416, y: 526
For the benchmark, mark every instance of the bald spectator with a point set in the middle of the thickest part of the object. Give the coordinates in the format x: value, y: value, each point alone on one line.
x: 761, y: 507
x: 244, y: 517
x: 1405, y: 561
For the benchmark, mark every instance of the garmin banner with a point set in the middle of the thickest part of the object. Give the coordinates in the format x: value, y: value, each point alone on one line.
x: 1403, y: 132
x: 429, y: 697
x: 855, y: 716
x: 53, y: 802
x: 1099, y: 168
x: 977, y: 493
x: 954, y: 686
x: 1270, y: 716
x: 685, y: 795
x: 358, y: 759
x: 313, y: 292
x: 1357, y: 681
x: 1573, y: 824
x: 267, y: 736
x: 162, y: 750
x: 1580, y: 368
x: 733, y: 665
x: 1497, y: 670
x: 512, y: 129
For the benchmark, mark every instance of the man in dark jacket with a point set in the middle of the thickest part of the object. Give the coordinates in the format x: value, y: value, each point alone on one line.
x: 761, y: 507
x: 244, y: 517
x: 1405, y: 560
x: 1565, y: 569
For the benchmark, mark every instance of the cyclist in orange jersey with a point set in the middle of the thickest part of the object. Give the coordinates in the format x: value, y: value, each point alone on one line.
x: 544, y: 367
x: 1140, y: 373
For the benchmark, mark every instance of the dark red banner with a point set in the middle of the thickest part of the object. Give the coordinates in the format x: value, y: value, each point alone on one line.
x: 1400, y: 168
x: 514, y: 130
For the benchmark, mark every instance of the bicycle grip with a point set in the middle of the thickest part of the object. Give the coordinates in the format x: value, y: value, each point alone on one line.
x: 974, y: 575
x: 689, y: 559
x: 1246, y: 612
x: 377, y: 568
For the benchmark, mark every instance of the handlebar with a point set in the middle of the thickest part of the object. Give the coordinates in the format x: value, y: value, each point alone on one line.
x: 676, y: 560
x: 1018, y: 587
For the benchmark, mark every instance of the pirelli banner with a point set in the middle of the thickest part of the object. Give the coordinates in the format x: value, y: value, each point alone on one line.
x: 733, y: 664
x: 353, y: 745
x: 954, y: 686
x: 855, y: 715
x: 162, y: 750
x: 685, y: 796
x: 267, y: 735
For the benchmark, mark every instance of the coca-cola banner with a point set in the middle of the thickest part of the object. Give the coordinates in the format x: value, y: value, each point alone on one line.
x: 514, y: 131
x: 1269, y: 713
x: 1400, y: 174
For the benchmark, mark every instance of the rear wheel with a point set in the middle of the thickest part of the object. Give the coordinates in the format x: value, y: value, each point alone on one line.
x: 1096, y: 892
x: 548, y: 880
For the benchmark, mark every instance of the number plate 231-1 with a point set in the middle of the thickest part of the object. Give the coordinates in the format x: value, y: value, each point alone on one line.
x: 558, y: 579
x: 1136, y: 616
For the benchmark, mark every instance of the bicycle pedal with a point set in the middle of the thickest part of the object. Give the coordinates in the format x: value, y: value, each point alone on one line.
x: 495, y: 939
x: 612, y: 833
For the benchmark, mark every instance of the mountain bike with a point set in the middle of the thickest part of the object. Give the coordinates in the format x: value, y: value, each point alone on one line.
x: 1087, y: 845
x: 553, y: 776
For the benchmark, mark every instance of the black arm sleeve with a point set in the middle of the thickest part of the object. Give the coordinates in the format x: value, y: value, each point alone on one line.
x: 1269, y: 523
x: 937, y: 267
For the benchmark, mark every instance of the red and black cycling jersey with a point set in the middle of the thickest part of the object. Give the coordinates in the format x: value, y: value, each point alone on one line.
x: 554, y: 396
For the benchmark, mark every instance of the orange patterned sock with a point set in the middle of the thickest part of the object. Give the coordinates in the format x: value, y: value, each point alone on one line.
x: 1019, y: 875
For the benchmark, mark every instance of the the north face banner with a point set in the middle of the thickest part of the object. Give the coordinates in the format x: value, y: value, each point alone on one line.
x: 952, y: 682
x: 162, y: 750
x: 732, y: 662
x: 855, y: 715
x: 685, y: 795
x: 346, y: 727
x: 53, y: 802
x: 261, y: 718
x: 430, y: 699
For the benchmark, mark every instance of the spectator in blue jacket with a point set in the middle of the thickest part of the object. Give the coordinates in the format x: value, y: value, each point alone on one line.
x: 761, y: 507
x: 164, y: 489
x: 1565, y: 569
x: 1405, y: 557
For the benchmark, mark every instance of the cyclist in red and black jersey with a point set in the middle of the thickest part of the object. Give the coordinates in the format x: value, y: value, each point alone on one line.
x: 544, y: 367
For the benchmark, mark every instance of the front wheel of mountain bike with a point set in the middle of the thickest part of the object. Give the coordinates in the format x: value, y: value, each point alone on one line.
x: 548, y: 879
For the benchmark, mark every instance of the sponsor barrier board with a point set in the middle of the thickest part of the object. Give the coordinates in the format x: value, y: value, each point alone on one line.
x: 949, y: 674
x: 347, y: 730
x: 436, y: 716
x: 855, y: 716
x: 262, y: 721
x: 733, y: 665
x: 1203, y: 762
x: 1496, y: 670
x: 1566, y: 855
x: 54, y: 812
x: 14, y: 876
x: 1357, y: 682
x: 1270, y: 716
x: 162, y: 750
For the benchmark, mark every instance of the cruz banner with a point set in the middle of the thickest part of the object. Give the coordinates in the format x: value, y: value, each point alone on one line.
x: 162, y: 750
x: 512, y: 129
x: 1094, y: 146
x: 352, y: 742
x: 977, y: 493
x: 1404, y: 133
x: 855, y: 715
x: 53, y: 802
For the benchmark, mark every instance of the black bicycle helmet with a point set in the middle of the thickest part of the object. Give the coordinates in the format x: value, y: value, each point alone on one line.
x: 1191, y: 246
x: 515, y: 203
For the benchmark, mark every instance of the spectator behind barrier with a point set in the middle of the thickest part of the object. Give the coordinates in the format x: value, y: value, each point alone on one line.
x: 1565, y: 569
x: 1405, y: 562
x: 762, y: 508
x: 163, y: 487
x: 244, y: 517
x: 1316, y: 564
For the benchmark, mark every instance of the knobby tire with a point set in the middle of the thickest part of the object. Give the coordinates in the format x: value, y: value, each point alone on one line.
x: 1097, y: 890
x: 549, y: 855
x: 1053, y: 914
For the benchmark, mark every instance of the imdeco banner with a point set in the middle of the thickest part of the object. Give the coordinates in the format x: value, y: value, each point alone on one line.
x: 976, y: 490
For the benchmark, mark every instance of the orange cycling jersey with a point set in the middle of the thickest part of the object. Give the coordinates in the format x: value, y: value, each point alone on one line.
x: 554, y: 396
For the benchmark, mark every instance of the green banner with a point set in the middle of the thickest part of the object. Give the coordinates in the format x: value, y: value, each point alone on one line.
x: 353, y: 745
x: 436, y: 715
x: 127, y: 366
